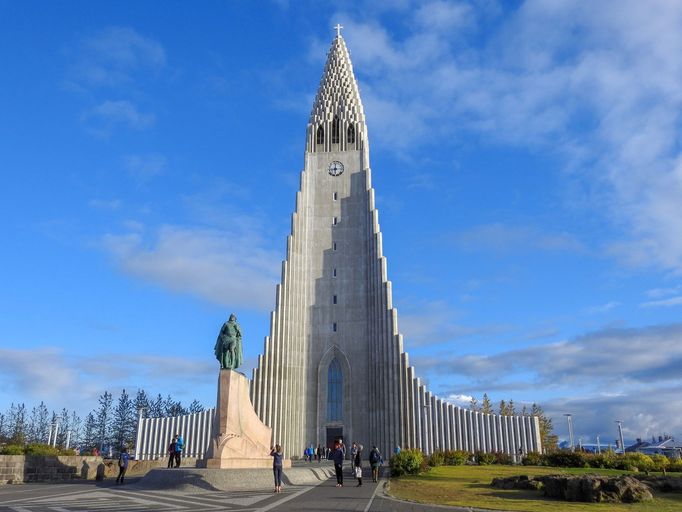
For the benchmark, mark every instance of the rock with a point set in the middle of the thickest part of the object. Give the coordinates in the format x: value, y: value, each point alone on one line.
x: 662, y: 483
x: 596, y: 489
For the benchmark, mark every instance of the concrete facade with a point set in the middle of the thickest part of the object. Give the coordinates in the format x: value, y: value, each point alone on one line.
x: 334, y: 312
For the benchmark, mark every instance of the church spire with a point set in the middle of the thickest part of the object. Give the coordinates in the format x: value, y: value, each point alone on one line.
x: 337, y: 120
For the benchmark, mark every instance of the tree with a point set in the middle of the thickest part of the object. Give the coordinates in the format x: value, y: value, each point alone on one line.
x: 173, y: 408
x: 90, y: 432
x: 76, y: 430
x: 511, y: 411
x: 548, y: 438
x: 503, y: 408
x: 3, y: 428
x: 104, y: 419
x: 142, y: 402
x: 473, y: 404
x: 123, y: 423
x: 39, y: 424
x: 156, y: 407
x: 16, y: 423
x: 486, y: 406
x: 64, y: 427
x: 195, y: 407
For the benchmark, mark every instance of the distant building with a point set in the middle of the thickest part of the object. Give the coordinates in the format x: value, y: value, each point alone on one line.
x: 664, y: 445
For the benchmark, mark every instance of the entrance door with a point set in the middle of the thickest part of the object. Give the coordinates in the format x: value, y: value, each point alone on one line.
x: 334, y: 434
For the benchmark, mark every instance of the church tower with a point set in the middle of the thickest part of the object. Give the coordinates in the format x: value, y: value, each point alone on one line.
x: 333, y: 364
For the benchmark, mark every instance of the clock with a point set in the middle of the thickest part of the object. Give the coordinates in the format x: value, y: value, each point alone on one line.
x: 335, y: 168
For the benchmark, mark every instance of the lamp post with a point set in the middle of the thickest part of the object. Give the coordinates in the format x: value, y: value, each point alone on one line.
x: 598, y: 445
x: 569, y: 420
x: 620, y: 435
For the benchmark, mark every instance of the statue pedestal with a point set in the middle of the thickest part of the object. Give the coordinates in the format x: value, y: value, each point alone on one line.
x: 240, y: 438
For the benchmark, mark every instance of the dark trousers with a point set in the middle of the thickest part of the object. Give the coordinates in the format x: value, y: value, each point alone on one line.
x: 339, y: 473
x: 177, y: 459
x: 121, y: 473
x: 277, y: 472
x: 171, y: 459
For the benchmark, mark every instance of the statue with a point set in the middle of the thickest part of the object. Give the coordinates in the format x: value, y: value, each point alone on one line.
x: 228, y: 346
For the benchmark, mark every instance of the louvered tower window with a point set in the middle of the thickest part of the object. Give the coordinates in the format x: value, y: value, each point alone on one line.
x: 350, y: 135
x: 320, y: 135
x: 335, y: 130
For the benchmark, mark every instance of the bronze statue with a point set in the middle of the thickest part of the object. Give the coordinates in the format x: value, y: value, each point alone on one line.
x: 228, y: 346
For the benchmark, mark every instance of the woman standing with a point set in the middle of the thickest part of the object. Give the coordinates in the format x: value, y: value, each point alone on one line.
x: 357, y: 463
x: 337, y: 456
x: 277, y: 456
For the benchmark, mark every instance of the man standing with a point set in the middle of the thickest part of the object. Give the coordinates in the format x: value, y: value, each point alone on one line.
x: 179, y: 445
x: 337, y: 456
x: 123, y: 459
x: 171, y: 451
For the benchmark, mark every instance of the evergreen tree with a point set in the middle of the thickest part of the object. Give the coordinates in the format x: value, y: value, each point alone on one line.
x: 549, y: 440
x: 90, y: 430
x: 123, y: 425
x: 503, y: 408
x: 76, y: 431
x: 173, y: 408
x: 511, y: 411
x: 3, y: 428
x: 142, y: 403
x: 486, y: 406
x: 17, y: 423
x: 104, y: 419
x: 156, y: 407
x: 195, y: 406
x: 473, y: 404
x: 64, y: 427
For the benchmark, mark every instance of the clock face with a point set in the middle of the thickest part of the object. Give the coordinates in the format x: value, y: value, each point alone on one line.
x: 335, y: 168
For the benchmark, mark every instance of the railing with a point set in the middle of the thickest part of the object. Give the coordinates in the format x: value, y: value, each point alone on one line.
x: 155, y: 434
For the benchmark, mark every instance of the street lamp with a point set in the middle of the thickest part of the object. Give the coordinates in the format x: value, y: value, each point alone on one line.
x: 620, y: 435
x: 598, y: 445
x: 569, y: 420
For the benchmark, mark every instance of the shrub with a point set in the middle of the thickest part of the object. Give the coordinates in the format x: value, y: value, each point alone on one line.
x: 12, y: 449
x: 533, y: 459
x: 436, y: 459
x: 503, y: 458
x: 635, y: 462
x: 675, y: 467
x: 456, y: 457
x: 661, y: 462
x: 41, y: 449
x: 407, y: 462
x: 485, y: 459
x: 564, y: 459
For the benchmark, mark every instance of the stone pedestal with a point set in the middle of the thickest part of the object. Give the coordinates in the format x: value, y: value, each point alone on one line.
x: 240, y: 438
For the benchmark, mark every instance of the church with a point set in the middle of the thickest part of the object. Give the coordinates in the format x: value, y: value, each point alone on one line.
x: 333, y: 364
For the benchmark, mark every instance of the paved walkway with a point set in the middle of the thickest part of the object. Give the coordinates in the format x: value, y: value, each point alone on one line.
x: 108, y: 497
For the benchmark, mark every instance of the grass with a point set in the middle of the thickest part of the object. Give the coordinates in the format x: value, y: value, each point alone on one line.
x: 469, y: 486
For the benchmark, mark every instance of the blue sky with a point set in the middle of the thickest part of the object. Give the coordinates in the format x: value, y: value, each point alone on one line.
x: 526, y: 157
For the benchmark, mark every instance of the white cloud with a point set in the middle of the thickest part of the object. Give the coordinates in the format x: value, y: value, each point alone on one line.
x: 145, y: 167
x: 224, y: 267
x: 116, y: 56
x: 596, y: 83
x: 672, y: 301
x: 499, y: 237
x: 105, y: 204
x: 603, y: 308
x: 75, y: 382
x: 108, y: 114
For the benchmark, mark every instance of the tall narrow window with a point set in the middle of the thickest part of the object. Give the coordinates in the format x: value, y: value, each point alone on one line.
x: 336, y: 196
x: 334, y: 273
x: 334, y: 392
x: 334, y: 327
x: 350, y: 135
x: 334, y: 246
x: 320, y: 135
x: 335, y: 221
x: 335, y: 130
x: 334, y: 299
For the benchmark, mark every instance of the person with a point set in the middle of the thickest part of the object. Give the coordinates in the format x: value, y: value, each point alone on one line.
x: 277, y: 456
x: 319, y: 453
x: 311, y: 450
x: 171, y: 452
x: 357, y: 464
x: 179, y: 445
x: 396, y: 450
x: 123, y: 460
x: 337, y: 457
x: 353, y: 451
x: 375, y: 462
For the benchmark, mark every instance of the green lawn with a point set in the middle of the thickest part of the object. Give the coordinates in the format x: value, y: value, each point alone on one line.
x: 470, y: 486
